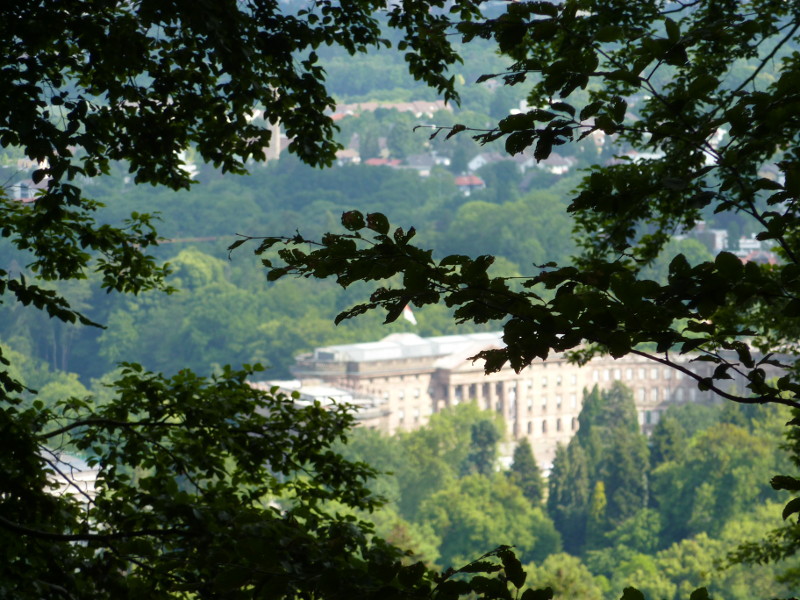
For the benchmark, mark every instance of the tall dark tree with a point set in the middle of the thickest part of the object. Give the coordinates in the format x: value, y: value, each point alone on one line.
x: 610, y: 408
x: 525, y: 473
x: 625, y: 471
x: 484, y: 436
x: 568, y: 496
x: 190, y: 469
x: 616, y: 450
x: 667, y: 442
x: 597, y: 523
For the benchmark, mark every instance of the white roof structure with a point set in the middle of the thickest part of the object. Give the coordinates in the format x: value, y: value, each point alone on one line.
x: 407, y: 345
x: 71, y: 475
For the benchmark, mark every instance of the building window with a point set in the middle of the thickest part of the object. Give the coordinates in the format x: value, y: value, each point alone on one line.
x: 558, y: 401
x: 558, y: 380
x: 558, y: 424
x: 530, y: 403
x: 642, y: 395
x: 544, y: 401
x: 617, y: 374
x: 530, y: 427
x: 641, y: 373
x: 607, y: 375
x: 679, y: 394
x: 544, y: 425
x: 574, y: 424
x: 573, y: 379
x: 654, y: 373
x: 629, y: 373
x: 648, y: 415
x: 667, y: 373
x: 595, y: 375
x: 573, y: 401
x: 654, y: 395
x: 544, y: 381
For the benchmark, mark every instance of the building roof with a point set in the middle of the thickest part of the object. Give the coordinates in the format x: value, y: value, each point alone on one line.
x: 407, y: 345
x: 469, y: 181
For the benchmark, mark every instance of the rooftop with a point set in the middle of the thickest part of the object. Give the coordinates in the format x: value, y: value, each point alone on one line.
x: 406, y: 345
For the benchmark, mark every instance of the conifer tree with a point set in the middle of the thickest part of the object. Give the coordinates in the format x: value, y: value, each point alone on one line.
x: 596, y: 520
x: 525, y: 473
x: 667, y: 442
x: 483, y: 448
x: 625, y: 471
x: 568, y: 495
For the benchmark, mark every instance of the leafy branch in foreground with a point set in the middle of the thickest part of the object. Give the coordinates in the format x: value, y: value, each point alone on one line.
x: 601, y: 306
x: 203, y: 486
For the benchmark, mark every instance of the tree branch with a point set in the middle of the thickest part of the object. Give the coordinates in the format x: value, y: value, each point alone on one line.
x: 717, y: 390
x: 91, y: 537
x: 104, y: 422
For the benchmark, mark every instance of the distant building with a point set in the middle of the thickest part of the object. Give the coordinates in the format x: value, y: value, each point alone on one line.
x: 466, y: 184
x: 26, y: 191
x: 716, y: 240
x: 382, y: 162
x: 752, y: 250
x: 419, y: 108
x: 370, y: 411
x: 347, y: 156
x: 409, y: 378
x: 70, y: 475
x: 424, y: 163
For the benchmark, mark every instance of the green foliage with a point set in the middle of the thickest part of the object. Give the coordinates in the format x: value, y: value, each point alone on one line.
x: 525, y: 473
x: 640, y: 533
x: 484, y: 436
x: 567, y: 577
x: 625, y: 471
x: 664, y: 93
x: 88, y: 84
x: 476, y: 511
x: 190, y: 77
x: 201, y: 481
x: 721, y: 472
x: 596, y: 518
x: 436, y: 455
x: 569, y: 494
x: 668, y: 441
x: 607, y: 461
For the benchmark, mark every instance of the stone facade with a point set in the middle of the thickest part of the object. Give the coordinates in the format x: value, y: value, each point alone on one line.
x: 411, y: 377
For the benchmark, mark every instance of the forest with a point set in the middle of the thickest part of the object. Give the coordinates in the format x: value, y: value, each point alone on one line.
x: 210, y: 489
x: 663, y: 514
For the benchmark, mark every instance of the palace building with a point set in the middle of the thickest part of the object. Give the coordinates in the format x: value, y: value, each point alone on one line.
x: 403, y: 379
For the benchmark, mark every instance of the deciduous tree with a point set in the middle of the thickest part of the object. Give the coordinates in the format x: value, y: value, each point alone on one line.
x: 206, y: 488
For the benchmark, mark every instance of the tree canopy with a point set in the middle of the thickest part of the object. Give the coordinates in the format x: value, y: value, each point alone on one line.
x: 709, y: 132
x: 204, y: 487
x: 700, y: 100
x: 209, y: 488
